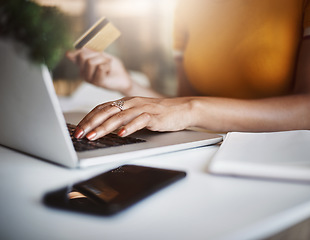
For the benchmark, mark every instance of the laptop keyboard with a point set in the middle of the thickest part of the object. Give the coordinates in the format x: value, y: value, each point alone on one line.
x: 110, y: 140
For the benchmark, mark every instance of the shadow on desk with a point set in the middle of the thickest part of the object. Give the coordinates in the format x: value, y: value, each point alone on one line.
x: 300, y: 231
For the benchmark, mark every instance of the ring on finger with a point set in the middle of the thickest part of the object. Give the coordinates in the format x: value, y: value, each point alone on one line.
x: 119, y: 104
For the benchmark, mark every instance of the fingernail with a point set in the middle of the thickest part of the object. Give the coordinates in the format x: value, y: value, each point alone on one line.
x: 121, y: 132
x: 78, y: 132
x: 91, y: 135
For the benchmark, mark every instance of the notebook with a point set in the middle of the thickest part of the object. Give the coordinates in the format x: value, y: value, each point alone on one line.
x: 32, y: 121
x: 277, y: 155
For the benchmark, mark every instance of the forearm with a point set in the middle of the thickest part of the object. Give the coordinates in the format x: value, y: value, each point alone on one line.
x: 272, y: 114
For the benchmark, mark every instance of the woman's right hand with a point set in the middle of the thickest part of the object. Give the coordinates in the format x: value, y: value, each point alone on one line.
x: 102, y: 69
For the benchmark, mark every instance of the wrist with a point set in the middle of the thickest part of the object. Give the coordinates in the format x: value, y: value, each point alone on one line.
x: 127, y: 84
x: 197, y: 110
x: 136, y: 89
x: 126, y: 90
x: 132, y: 89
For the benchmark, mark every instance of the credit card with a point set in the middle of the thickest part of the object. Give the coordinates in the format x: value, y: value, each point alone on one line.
x: 99, y: 36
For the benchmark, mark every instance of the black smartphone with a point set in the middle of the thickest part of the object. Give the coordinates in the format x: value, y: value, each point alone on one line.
x: 112, y: 191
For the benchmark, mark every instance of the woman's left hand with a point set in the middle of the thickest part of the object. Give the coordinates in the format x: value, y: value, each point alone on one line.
x: 131, y: 114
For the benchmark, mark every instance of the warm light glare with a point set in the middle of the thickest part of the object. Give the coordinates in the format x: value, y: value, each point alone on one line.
x: 75, y: 7
x: 132, y: 8
x: 118, y: 8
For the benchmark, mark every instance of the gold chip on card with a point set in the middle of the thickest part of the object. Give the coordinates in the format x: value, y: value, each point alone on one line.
x: 99, y: 36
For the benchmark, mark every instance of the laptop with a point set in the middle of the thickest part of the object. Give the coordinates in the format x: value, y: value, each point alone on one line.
x: 32, y: 121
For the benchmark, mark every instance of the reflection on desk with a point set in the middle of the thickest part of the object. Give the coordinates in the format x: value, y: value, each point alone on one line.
x: 201, y: 206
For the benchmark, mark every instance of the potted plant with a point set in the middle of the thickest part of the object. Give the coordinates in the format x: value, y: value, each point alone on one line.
x: 44, y: 31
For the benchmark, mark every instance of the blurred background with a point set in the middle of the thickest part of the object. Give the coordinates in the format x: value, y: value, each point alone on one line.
x: 145, y: 45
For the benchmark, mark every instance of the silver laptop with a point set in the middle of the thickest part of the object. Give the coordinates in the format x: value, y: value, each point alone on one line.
x: 32, y: 121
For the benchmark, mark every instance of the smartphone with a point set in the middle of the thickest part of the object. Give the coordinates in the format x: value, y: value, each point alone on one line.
x: 112, y: 191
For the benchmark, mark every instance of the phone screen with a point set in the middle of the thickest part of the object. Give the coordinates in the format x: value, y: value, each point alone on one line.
x: 112, y: 191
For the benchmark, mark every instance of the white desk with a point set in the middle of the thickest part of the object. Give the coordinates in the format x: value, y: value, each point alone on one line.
x: 200, y: 206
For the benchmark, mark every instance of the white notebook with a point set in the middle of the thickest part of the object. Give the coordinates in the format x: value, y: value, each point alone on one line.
x: 283, y: 155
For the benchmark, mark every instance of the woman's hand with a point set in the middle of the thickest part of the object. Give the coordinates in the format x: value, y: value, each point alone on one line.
x: 101, y: 69
x: 132, y: 114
